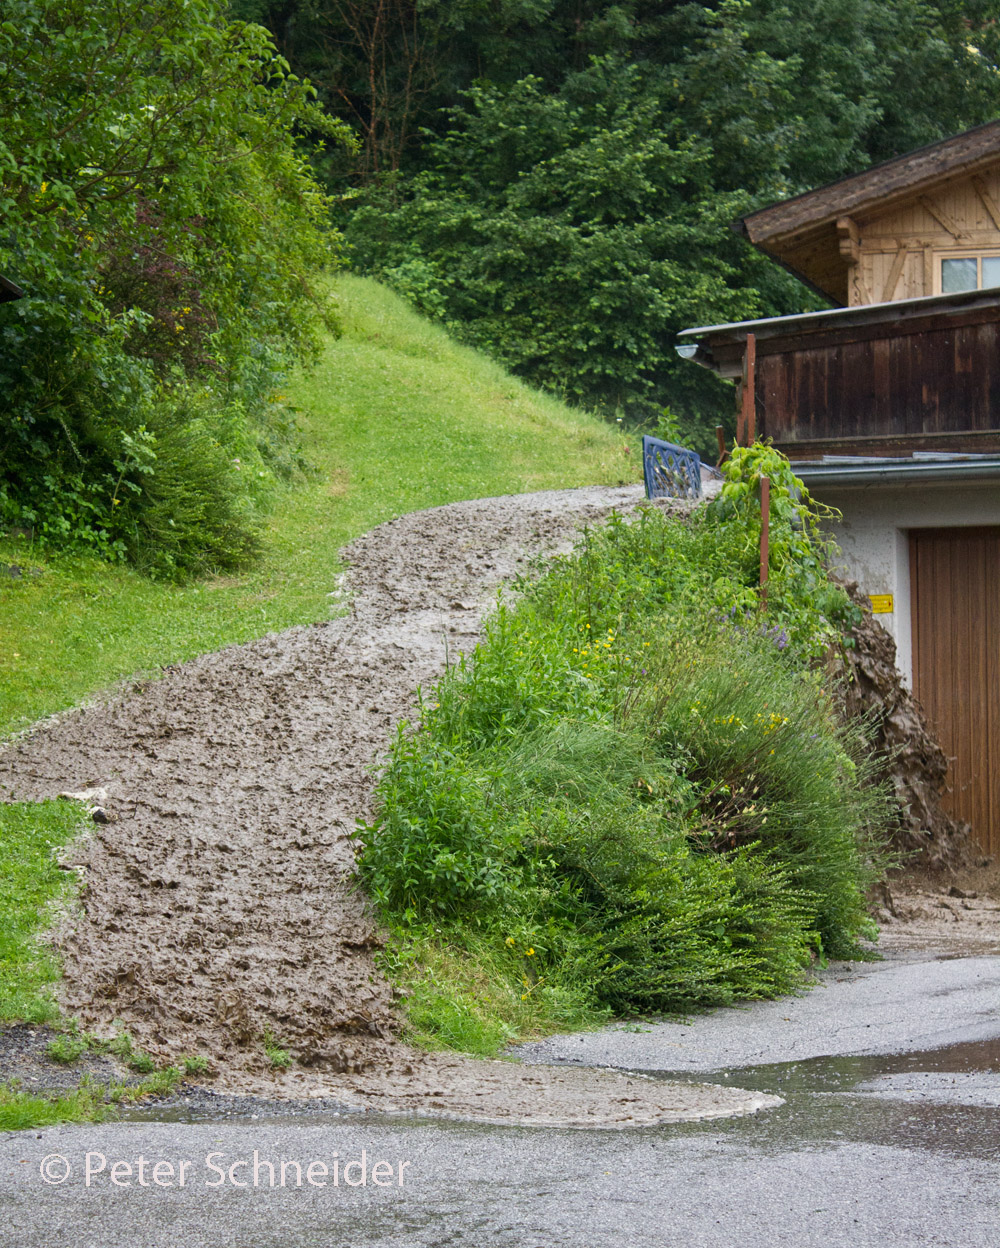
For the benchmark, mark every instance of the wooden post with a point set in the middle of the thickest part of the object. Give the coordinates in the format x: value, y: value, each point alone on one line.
x: 720, y: 437
x: 746, y: 421
x: 765, y: 537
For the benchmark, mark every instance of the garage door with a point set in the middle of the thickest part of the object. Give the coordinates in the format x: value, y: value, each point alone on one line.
x: 955, y: 579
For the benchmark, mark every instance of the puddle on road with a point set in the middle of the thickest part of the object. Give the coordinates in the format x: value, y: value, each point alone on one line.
x: 882, y: 1099
x: 840, y: 1074
x: 904, y: 1100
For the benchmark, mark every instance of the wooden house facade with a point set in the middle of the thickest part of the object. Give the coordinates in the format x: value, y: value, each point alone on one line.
x: 927, y: 223
x: 889, y: 406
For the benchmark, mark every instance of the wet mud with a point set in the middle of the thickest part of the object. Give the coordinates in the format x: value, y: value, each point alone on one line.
x: 219, y: 909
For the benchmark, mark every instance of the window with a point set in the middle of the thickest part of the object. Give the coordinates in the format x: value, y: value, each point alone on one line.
x: 969, y: 273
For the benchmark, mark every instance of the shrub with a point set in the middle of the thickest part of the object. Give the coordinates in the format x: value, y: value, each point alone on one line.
x: 635, y: 781
x: 165, y: 227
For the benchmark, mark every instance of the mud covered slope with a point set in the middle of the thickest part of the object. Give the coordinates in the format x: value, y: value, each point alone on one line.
x: 219, y: 905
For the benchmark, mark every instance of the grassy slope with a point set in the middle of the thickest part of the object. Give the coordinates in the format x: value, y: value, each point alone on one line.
x: 395, y: 418
x: 31, y: 885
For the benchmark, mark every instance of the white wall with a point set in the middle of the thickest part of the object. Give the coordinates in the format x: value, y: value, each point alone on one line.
x: 873, y: 536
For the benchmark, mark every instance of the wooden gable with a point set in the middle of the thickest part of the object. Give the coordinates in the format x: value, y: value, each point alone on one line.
x: 884, y: 234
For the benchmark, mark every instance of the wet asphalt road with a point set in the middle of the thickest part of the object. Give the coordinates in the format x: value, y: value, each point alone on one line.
x: 897, y: 1146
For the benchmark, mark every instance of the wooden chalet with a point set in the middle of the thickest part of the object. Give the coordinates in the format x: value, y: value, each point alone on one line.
x: 889, y: 404
x: 8, y: 290
x: 927, y: 223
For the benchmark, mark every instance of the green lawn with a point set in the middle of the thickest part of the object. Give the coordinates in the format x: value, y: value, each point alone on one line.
x: 395, y: 417
x: 31, y: 885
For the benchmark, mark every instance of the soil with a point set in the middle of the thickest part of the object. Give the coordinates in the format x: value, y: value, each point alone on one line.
x: 218, y: 903
x: 219, y: 906
x: 912, y: 762
x: 952, y: 913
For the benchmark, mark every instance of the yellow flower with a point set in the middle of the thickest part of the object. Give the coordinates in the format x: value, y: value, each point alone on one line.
x: 529, y: 953
x: 509, y: 942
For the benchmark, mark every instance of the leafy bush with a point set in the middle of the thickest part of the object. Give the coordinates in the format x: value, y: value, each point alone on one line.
x: 164, y: 226
x: 635, y: 782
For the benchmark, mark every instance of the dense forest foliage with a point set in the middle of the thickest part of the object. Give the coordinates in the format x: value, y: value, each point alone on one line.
x: 554, y: 178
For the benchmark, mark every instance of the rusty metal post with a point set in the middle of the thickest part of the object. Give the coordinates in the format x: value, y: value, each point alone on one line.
x: 720, y: 437
x: 748, y: 411
x: 765, y: 537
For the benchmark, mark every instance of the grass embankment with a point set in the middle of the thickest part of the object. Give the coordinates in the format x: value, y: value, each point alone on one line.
x: 635, y: 797
x: 396, y: 417
x: 32, y: 885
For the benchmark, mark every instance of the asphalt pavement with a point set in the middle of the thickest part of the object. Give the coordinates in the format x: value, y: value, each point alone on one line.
x: 888, y: 1137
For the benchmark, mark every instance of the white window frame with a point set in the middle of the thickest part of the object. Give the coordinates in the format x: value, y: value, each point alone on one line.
x: 963, y: 253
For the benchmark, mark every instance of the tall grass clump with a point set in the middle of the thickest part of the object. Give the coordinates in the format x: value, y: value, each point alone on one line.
x: 635, y: 795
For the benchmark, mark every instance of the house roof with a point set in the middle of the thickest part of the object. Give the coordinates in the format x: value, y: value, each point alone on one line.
x: 8, y: 290
x: 721, y: 347
x: 899, y: 177
x: 798, y: 232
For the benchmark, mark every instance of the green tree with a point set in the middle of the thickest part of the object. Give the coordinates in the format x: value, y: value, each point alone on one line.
x: 571, y: 236
x: 570, y: 222
x: 166, y: 229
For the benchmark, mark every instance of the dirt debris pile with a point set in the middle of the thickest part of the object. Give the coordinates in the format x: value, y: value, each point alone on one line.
x: 915, y: 764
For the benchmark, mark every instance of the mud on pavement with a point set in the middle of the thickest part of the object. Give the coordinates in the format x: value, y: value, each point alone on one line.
x: 219, y: 905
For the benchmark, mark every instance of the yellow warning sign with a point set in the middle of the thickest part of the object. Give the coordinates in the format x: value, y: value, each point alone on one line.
x: 881, y: 604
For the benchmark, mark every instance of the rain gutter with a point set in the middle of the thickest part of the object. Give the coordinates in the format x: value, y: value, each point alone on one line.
x: 897, y: 473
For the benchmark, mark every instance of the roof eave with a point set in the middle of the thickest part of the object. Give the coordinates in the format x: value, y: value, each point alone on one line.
x: 869, y: 313
x: 853, y: 201
x: 8, y: 291
x: 913, y: 472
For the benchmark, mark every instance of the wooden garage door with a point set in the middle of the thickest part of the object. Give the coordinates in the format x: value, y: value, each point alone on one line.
x: 955, y: 600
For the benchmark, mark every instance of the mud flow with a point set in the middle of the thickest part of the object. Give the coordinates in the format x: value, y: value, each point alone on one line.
x: 219, y: 906
x: 945, y: 1101
x: 219, y: 910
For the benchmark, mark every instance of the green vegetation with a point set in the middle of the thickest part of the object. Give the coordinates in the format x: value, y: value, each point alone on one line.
x: 70, y: 1045
x: 20, y: 1111
x: 90, y: 1101
x: 555, y: 180
x: 395, y: 416
x: 32, y: 885
x: 167, y: 231
x: 67, y: 1047
x: 635, y: 796
x: 279, y: 1057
